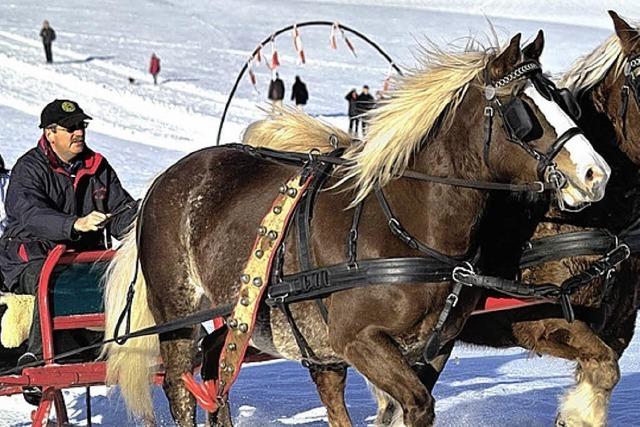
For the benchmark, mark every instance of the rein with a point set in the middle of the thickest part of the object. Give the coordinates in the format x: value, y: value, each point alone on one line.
x: 300, y: 159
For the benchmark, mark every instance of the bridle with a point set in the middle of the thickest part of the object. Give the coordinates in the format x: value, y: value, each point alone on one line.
x: 518, y: 124
x: 631, y: 82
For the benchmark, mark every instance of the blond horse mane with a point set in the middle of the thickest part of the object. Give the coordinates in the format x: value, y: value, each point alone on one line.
x: 292, y: 130
x: 424, y: 99
x: 590, y: 69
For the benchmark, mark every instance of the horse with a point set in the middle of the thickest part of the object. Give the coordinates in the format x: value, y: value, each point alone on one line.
x: 197, y: 221
x: 597, y: 341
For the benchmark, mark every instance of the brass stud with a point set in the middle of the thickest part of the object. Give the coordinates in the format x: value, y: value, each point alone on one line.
x: 273, y: 235
x: 257, y: 281
x: 232, y: 323
x: 229, y: 369
x: 277, y: 210
x: 223, y: 364
x: 245, y: 278
x: 291, y: 192
x: 262, y: 230
x: 231, y: 346
x: 259, y: 253
x: 282, y: 189
x: 244, y: 301
x: 223, y: 383
x: 243, y: 327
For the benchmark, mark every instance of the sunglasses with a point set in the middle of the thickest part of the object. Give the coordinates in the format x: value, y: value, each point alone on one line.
x: 75, y: 127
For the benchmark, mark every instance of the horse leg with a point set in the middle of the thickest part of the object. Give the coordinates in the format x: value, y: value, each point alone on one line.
x: 178, y: 355
x: 389, y: 412
x: 330, y: 384
x: 586, y: 404
x: 221, y: 418
x: 374, y: 355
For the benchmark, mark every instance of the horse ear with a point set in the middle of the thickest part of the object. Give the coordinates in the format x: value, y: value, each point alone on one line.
x: 628, y: 35
x: 534, y: 49
x: 507, y: 59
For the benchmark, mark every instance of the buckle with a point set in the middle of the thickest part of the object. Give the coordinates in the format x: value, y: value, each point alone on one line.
x: 488, y: 111
x: 461, y: 272
x: 542, y: 187
x: 452, y: 299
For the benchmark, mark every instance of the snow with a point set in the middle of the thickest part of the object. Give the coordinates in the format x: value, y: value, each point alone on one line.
x: 142, y: 129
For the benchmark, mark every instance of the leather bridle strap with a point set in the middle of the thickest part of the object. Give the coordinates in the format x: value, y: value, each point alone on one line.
x: 547, y: 158
x: 629, y: 84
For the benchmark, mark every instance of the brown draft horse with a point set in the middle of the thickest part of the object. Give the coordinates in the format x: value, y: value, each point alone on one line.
x: 596, y: 344
x: 200, y: 217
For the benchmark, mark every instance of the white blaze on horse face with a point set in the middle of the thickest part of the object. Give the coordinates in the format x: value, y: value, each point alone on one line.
x: 588, y: 163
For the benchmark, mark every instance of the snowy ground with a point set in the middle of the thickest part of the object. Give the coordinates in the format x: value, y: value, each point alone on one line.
x: 143, y: 128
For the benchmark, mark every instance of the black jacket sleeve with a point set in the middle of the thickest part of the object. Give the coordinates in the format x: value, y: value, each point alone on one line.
x: 117, y: 198
x: 28, y: 201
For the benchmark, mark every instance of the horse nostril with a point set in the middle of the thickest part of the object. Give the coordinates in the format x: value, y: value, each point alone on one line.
x: 588, y: 177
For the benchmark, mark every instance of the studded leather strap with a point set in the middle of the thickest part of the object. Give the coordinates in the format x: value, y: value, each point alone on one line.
x: 253, y: 281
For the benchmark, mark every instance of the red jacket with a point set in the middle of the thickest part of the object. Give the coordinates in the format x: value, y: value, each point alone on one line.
x: 154, y: 66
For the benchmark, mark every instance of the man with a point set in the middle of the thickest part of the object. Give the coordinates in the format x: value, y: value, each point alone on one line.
x: 48, y: 36
x: 364, y: 103
x: 59, y: 192
x: 299, y: 93
x: 276, y: 92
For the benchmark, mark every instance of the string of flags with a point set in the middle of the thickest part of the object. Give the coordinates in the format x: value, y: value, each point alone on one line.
x: 274, y: 62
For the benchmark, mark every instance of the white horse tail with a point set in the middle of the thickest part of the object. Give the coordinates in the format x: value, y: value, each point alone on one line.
x: 130, y: 366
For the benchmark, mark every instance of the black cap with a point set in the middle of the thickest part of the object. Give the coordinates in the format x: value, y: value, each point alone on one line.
x: 62, y: 112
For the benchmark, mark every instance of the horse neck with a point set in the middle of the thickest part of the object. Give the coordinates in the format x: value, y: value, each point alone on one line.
x: 444, y: 217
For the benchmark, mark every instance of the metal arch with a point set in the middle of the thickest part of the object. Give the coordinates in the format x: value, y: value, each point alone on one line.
x: 288, y: 28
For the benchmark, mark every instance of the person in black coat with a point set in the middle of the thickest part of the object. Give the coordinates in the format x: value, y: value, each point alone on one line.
x: 276, y: 92
x: 48, y: 36
x: 299, y: 93
x: 60, y: 192
x: 364, y: 103
x: 352, y: 98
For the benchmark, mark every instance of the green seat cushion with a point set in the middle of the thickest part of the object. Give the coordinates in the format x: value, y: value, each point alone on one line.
x: 77, y: 289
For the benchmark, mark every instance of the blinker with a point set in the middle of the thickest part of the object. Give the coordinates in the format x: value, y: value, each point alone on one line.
x: 517, y: 120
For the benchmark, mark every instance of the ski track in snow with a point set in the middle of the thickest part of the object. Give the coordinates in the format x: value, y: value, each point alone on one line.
x: 143, y: 129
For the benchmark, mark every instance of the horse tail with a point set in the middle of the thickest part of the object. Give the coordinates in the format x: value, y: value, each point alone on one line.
x: 292, y: 130
x: 131, y: 366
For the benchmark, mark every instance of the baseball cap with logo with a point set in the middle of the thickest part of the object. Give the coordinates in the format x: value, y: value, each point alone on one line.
x: 62, y: 112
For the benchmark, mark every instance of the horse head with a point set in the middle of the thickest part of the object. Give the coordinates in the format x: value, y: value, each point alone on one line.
x: 538, y: 135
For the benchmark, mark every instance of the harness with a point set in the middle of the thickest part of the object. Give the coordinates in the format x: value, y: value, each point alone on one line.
x: 631, y: 82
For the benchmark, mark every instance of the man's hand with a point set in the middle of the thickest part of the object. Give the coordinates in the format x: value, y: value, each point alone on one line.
x: 92, y: 222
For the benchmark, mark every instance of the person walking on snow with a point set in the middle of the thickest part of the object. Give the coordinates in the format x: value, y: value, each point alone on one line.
x: 276, y: 92
x: 48, y: 36
x: 299, y: 93
x: 154, y: 68
x: 364, y: 103
x: 352, y: 98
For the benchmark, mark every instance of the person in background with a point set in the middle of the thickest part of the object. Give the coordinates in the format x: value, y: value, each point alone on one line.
x: 4, y: 184
x: 352, y: 97
x: 154, y: 67
x: 60, y: 192
x: 364, y: 103
x: 299, y: 93
x: 276, y: 92
x: 48, y: 36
